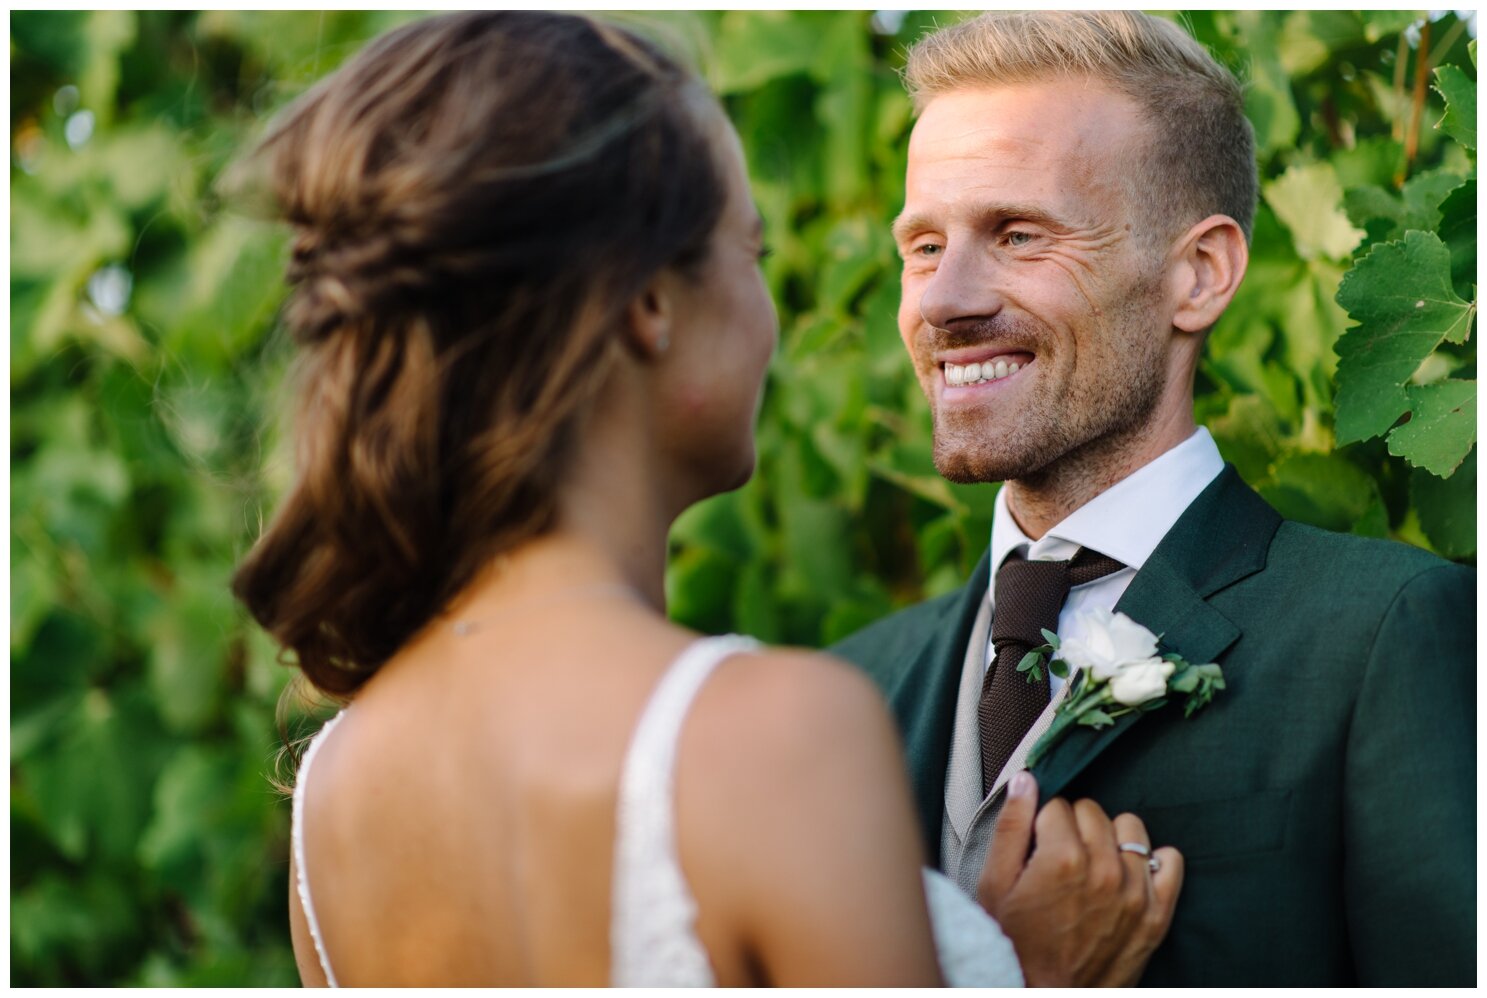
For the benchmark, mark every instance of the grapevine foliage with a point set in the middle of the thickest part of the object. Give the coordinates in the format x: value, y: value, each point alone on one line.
x: 147, y: 847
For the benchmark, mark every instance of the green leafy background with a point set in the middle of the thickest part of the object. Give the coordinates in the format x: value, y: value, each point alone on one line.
x: 147, y: 846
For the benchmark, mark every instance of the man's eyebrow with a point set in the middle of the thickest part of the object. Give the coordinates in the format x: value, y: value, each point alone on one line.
x: 907, y: 223
x: 995, y: 213
x: 1024, y: 211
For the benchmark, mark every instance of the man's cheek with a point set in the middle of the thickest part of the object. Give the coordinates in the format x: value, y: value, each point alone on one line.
x: 909, y: 320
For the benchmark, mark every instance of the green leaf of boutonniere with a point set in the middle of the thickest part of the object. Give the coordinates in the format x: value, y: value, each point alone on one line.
x: 1096, y: 719
x: 1059, y: 668
x: 1030, y: 664
x: 1050, y: 637
x: 1185, y: 681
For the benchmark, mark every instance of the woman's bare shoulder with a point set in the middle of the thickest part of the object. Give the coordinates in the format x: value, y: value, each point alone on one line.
x: 796, y: 823
x: 783, y: 728
x: 806, y: 676
x: 795, y: 698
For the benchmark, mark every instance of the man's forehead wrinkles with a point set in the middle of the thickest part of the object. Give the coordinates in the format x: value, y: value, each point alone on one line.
x: 956, y: 182
x: 991, y: 196
x: 985, y: 142
x: 1002, y: 160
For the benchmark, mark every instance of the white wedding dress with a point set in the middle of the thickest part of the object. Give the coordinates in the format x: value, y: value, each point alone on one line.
x: 653, y: 939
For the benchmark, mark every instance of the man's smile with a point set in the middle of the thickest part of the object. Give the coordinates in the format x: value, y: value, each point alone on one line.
x: 978, y: 366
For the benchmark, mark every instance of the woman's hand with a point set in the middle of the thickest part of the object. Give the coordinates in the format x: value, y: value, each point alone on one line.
x: 1079, y: 910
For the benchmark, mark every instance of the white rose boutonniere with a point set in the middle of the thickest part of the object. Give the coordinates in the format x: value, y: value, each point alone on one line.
x: 1103, y: 642
x: 1139, y: 682
x: 1116, y: 671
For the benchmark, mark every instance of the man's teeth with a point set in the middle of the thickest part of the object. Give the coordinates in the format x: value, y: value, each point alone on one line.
x: 978, y: 374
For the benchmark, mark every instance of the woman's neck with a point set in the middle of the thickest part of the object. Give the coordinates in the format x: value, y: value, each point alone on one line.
x: 560, y: 566
x: 623, y: 533
x: 620, y: 494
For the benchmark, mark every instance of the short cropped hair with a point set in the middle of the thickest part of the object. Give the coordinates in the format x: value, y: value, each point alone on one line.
x: 1200, y: 159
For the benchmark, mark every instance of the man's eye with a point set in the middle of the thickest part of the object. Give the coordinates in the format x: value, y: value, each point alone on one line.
x: 1019, y: 238
x: 929, y: 249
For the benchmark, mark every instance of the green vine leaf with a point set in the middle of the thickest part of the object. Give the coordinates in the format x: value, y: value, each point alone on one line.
x: 1459, y: 231
x: 1401, y: 296
x: 1460, y: 120
x: 1308, y: 199
x: 1458, y: 228
x: 1418, y: 205
x: 1448, y: 508
x: 1442, y: 426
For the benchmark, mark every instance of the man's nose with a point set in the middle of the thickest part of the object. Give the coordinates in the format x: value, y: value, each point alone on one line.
x: 964, y: 286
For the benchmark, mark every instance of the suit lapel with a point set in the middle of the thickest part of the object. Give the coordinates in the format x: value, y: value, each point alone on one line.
x: 1221, y: 538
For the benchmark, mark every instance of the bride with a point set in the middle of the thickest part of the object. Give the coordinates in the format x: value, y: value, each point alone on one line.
x: 533, y: 332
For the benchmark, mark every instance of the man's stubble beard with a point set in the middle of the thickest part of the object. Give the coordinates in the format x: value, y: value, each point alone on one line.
x: 1051, y: 436
x: 1048, y: 432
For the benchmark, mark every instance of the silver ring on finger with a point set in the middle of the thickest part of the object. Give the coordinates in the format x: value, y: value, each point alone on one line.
x: 1144, y: 851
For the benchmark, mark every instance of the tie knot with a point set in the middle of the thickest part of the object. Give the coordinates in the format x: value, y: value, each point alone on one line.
x: 1030, y: 594
x: 1089, y: 565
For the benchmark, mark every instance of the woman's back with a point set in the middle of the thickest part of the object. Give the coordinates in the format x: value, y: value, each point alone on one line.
x: 459, y: 825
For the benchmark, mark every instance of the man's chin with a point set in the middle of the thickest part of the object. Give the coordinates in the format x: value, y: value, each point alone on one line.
x: 970, y: 448
x: 968, y: 468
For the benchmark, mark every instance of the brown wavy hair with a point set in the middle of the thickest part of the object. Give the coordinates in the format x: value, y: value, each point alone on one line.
x: 475, y: 198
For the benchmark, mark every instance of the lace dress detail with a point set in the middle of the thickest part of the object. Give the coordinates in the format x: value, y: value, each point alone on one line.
x: 971, y: 947
x: 653, y: 936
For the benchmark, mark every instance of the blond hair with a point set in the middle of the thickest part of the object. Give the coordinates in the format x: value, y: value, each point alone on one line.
x: 1200, y: 157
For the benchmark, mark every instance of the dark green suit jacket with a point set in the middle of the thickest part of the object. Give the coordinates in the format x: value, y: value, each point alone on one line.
x: 1325, y: 801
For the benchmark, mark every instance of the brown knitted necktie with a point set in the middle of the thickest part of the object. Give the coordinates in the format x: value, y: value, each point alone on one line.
x: 1029, y: 596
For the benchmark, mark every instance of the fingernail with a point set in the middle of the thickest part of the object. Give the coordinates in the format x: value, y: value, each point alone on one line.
x: 1022, y: 785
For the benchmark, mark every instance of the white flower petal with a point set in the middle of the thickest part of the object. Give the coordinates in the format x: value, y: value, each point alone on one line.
x: 1105, y: 643
x: 1130, y: 640
x: 1138, y: 682
x: 1077, y: 654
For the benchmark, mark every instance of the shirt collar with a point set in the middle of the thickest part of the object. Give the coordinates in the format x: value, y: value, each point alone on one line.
x: 1127, y: 520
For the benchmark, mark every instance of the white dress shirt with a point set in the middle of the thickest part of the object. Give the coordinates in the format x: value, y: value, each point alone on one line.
x: 1126, y: 522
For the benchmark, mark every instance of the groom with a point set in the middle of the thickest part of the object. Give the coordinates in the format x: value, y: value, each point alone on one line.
x: 1079, y: 198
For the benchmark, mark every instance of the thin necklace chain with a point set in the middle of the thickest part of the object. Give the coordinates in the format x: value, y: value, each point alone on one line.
x: 608, y: 590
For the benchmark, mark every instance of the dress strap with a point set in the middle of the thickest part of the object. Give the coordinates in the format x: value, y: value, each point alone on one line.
x: 297, y: 836
x: 653, y: 938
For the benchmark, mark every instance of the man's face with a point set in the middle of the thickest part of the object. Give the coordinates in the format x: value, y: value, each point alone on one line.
x: 1032, y: 308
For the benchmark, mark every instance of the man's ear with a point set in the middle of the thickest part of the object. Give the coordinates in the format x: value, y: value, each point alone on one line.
x: 649, y: 318
x: 1209, y: 262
